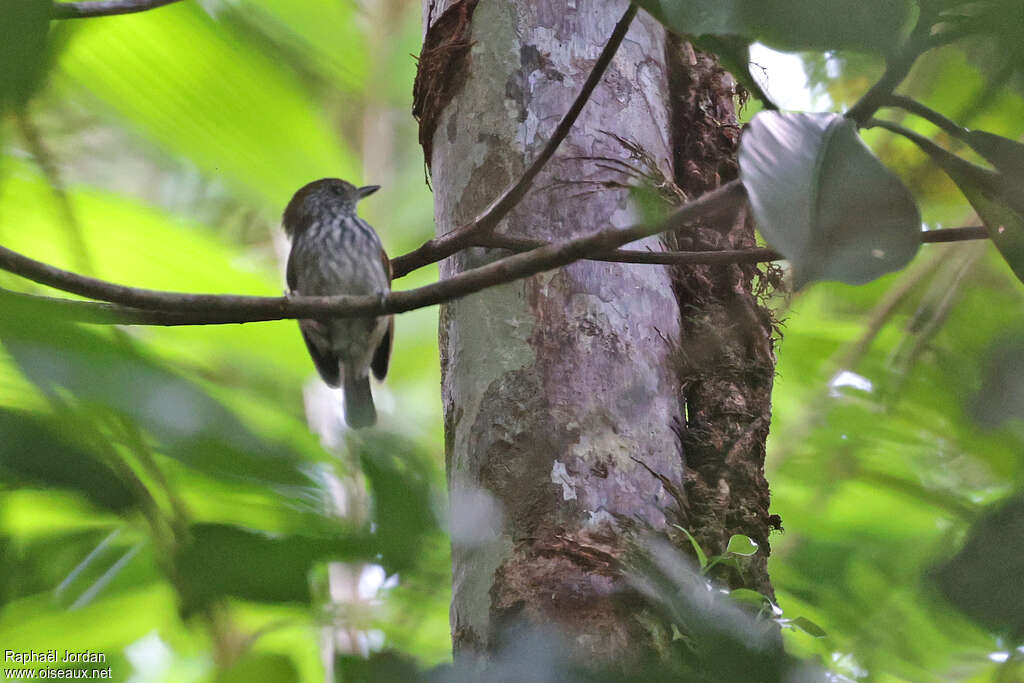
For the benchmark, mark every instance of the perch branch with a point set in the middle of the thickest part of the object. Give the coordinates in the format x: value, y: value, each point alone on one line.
x: 151, y: 307
x: 897, y: 68
x: 227, y: 309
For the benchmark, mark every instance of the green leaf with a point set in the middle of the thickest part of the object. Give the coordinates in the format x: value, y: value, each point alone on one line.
x: 105, y: 625
x: 725, y: 560
x: 997, y: 197
x: 1005, y: 223
x: 222, y: 560
x: 1005, y: 154
x: 327, y: 35
x: 983, y: 579
x: 702, y: 558
x: 824, y: 201
x: 876, y: 26
x: 403, y: 512
x: 741, y: 545
x: 808, y: 627
x: 41, y: 453
x: 207, y: 93
x: 24, y: 26
x: 698, y: 18
x: 380, y: 666
x: 746, y: 596
x: 260, y: 666
x: 1001, y: 396
x: 866, y: 25
x: 66, y: 565
x: 114, y: 376
x: 731, y: 642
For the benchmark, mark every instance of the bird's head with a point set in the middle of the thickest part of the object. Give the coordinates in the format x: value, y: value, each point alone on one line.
x: 327, y: 194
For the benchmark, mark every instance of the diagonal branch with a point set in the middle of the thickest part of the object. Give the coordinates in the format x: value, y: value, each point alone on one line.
x: 935, y: 118
x: 720, y: 257
x: 897, y: 68
x: 458, y: 239
x: 103, y: 8
x: 202, y: 309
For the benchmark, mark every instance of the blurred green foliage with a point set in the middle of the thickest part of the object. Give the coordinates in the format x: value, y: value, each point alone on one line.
x: 164, y: 501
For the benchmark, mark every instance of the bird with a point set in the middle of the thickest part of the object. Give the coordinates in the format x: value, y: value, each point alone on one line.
x: 334, y: 251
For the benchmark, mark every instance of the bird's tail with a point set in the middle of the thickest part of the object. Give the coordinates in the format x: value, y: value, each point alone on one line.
x: 359, y: 410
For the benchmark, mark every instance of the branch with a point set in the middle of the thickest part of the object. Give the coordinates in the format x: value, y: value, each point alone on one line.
x: 678, y: 258
x: 98, y: 313
x: 896, y: 69
x: 51, y: 171
x: 975, y: 232
x: 115, y: 314
x: 151, y: 307
x: 103, y: 8
x: 715, y: 258
x: 462, y: 237
x: 935, y: 118
x: 925, y: 144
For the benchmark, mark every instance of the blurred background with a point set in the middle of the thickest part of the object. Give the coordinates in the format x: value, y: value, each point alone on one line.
x: 167, y: 493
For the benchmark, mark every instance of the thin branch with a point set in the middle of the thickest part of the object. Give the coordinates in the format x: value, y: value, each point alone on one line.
x: 720, y: 257
x: 458, y: 239
x: 103, y: 8
x: 753, y: 255
x: 174, y: 308
x: 51, y: 171
x: 925, y: 144
x: 896, y: 69
x: 935, y: 118
x: 974, y: 232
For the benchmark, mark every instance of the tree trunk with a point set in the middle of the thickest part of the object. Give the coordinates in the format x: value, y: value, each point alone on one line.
x: 566, y: 395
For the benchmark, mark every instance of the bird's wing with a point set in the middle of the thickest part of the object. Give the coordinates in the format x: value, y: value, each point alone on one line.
x: 290, y: 275
x: 383, y: 353
x: 316, y: 334
x: 318, y: 341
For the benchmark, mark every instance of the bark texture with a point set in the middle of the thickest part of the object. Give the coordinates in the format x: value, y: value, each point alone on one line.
x: 564, y: 394
x: 726, y: 363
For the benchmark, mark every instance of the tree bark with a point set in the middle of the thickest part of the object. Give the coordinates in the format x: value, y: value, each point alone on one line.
x: 565, y: 396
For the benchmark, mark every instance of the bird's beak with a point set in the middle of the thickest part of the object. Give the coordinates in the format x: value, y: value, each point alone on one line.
x: 367, y: 190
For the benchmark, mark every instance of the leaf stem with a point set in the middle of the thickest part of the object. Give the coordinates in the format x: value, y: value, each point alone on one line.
x: 914, y: 107
x: 897, y: 68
